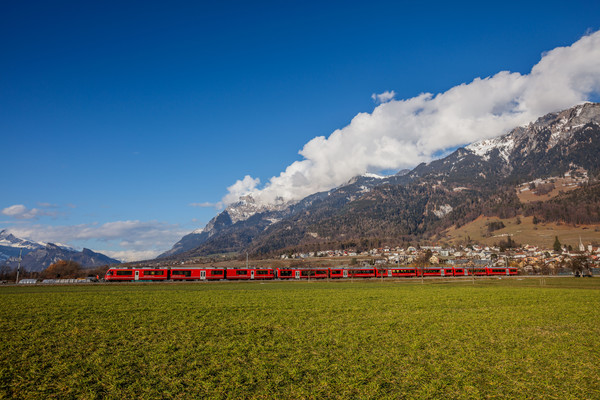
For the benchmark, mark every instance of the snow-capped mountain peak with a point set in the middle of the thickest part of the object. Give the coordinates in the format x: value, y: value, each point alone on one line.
x: 483, y: 148
x: 247, y: 206
x: 558, y: 127
x: 9, y: 240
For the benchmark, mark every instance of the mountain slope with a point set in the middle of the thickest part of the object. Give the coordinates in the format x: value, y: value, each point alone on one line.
x: 12, y: 246
x: 236, y: 227
x: 479, y: 178
x: 38, y: 256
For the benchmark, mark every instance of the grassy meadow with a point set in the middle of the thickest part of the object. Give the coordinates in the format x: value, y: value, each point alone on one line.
x: 526, y: 232
x: 496, y: 338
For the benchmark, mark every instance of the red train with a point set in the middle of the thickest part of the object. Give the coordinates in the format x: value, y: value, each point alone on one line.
x: 126, y: 274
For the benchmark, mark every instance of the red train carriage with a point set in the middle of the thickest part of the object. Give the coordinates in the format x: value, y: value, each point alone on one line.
x: 430, y: 271
x: 491, y: 271
x: 136, y: 274
x: 302, y: 273
x: 264, y: 273
x: 362, y: 273
x: 119, y: 274
x: 399, y: 272
x: 336, y: 273
x: 286, y: 273
x: 314, y: 273
x: 478, y: 271
x: 460, y: 271
x: 249, y: 273
x: 193, y: 274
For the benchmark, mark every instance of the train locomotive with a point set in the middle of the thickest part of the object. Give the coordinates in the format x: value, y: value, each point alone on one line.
x: 152, y: 274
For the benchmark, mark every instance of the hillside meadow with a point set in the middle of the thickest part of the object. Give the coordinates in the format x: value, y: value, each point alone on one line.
x: 494, y: 338
x: 523, y: 232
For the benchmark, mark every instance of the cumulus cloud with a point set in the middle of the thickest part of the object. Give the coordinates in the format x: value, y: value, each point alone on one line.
x: 19, y: 211
x: 240, y: 188
x: 383, y: 97
x: 136, y: 239
x: 403, y: 133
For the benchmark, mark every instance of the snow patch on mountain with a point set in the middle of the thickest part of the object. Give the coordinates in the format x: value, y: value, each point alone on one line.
x: 9, y: 240
x: 370, y: 175
x: 443, y: 210
x: 247, y: 206
x: 484, y: 148
x: 561, y: 125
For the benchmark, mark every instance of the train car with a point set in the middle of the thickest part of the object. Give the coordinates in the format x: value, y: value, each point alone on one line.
x: 430, y: 271
x: 127, y: 274
x: 302, y: 273
x: 249, y: 273
x: 314, y: 273
x: 197, y: 274
x: 459, y: 271
x: 398, y: 272
x: 286, y: 273
x: 338, y: 273
x: 478, y: 271
x: 495, y: 271
x: 447, y: 271
x: 362, y: 272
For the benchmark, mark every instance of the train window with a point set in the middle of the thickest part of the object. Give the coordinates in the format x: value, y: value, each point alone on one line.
x: 285, y: 272
x: 186, y: 272
x: 262, y: 272
x: 124, y: 273
x: 216, y: 272
x: 149, y: 273
x: 241, y: 272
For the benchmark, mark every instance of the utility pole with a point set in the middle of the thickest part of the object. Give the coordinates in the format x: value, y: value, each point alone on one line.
x: 246, y: 260
x: 19, y: 265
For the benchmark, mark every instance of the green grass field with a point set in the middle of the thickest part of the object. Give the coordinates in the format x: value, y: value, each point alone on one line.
x: 496, y: 338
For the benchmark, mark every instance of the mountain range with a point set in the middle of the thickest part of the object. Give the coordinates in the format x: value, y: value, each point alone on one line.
x: 479, y: 179
x: 37, y: 256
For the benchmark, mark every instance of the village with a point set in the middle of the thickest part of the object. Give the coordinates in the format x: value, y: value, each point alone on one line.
x: 530, y: 260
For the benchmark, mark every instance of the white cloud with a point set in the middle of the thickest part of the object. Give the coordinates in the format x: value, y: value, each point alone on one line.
x: 14, y: 211
x: 383, y: 97
x: 19, y: 211
x: 207, y: 204
x: 240, y: 188
x: 47, y: 205
x: 402, y: 133
x: 131, y: 255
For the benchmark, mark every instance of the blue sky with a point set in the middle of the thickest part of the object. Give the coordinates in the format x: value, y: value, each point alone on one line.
x: 117, y: 116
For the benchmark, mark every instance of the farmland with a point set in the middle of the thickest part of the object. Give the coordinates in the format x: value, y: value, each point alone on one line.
x: 495, y: 338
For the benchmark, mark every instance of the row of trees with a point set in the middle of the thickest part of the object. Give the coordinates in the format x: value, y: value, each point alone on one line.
x: 61, y: 269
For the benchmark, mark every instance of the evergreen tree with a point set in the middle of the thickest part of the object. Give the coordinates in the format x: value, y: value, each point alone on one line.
x: 557, y: 245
